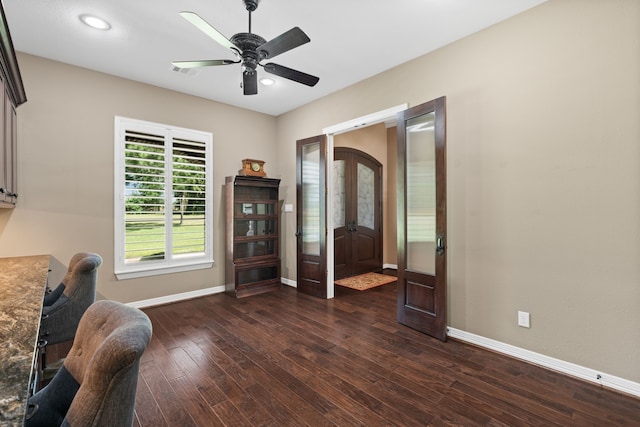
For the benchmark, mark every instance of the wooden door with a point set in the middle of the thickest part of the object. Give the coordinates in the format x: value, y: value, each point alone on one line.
x: 357, y: 212
x: 311, y: 228
x: 422, y: 218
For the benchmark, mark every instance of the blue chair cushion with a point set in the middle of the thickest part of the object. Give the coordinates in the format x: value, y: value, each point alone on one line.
x: 52, y: 296
x: 49, y: 406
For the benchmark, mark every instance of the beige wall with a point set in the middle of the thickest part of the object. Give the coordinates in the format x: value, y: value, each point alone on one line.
x: 543, y: 173
x: 65, y: 167
x: 543, y: 162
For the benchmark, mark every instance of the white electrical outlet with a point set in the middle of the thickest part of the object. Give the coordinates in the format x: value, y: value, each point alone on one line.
x: 524, y: 319
x: 288, y: 207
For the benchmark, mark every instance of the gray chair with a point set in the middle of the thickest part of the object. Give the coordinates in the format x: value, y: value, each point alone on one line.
x: 64, y: 306
x: 96, y: 385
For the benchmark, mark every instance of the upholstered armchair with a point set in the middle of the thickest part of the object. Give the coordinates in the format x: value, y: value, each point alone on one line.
x: 64, y: 306
x: 96, y: 385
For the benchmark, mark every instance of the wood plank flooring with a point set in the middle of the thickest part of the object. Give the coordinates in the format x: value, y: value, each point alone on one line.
x: 283, y: 359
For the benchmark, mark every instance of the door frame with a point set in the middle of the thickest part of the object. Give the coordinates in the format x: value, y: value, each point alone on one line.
x: 387, y: 115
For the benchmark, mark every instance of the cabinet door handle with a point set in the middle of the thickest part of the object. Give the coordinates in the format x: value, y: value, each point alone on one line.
x: 8, y: 193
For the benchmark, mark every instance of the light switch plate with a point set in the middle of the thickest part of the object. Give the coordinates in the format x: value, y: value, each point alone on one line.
x: 524, y: 319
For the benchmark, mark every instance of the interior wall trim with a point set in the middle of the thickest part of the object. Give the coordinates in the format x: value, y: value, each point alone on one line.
x: 289, y: 282
x: 176, y: 297
x: 571, y: 369
x: 167, y: 299
x: 368, y: 120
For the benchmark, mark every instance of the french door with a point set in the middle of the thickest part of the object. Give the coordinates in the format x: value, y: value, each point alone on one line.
x: 422, y: 285
x: 311, y: 228
x: 421, y: 187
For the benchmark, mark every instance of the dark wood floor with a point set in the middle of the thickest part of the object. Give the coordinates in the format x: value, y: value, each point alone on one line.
x: 281, y: 359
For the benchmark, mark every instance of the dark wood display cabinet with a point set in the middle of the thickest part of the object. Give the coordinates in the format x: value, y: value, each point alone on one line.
x: 252, y: 235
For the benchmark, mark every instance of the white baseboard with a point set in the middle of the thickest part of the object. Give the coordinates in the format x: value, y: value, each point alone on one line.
x: 188, y: 295
x: 587, y: 374
x: 391, y: 266
x: 176, y: 297
x: 289, y: 282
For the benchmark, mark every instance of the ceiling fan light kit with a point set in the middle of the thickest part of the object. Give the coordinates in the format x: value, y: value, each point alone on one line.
x: 251, y: 50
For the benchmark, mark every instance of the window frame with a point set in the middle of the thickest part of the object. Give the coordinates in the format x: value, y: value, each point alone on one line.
x: 171, y: 263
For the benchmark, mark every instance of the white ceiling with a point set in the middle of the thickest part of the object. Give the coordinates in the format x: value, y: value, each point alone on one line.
x: 350, y: 39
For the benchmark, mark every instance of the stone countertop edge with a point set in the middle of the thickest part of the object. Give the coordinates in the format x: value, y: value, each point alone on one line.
x: 23, y: 281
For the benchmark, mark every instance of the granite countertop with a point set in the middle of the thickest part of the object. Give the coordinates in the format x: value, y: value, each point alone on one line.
x: 22, y: 284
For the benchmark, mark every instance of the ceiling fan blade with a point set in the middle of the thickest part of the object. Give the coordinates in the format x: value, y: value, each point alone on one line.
x: 288, y: 73
x: 208, y: 29
x: 286, y: 41
x: 203, y: 63
x: 250, y: 83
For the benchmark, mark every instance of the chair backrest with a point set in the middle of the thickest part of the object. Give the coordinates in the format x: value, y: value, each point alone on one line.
x: 105, y: 360
x: 80, y: 280
x: 61, y: 318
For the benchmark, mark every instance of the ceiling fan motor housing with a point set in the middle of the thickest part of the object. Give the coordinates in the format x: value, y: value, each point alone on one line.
x: 248, y: 43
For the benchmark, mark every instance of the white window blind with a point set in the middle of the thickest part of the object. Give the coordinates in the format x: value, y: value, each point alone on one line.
x: 163, y: 214
x: 421, y: 207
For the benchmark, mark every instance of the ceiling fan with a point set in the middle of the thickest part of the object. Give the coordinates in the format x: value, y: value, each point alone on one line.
x: 250, y: 50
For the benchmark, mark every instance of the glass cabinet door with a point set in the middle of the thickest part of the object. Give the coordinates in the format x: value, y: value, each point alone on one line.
x: 253, y: 275
x: 255, y: 248
x: 244, y: 209
x: 255, y: 227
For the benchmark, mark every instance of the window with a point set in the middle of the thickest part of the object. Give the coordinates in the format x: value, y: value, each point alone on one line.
x: 163, y: 203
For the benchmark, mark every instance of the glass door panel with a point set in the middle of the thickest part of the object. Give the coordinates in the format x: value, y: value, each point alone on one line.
x: 421, y: 194
x: 366, y: 196
x: 339, y: 189
x: 311, y: 199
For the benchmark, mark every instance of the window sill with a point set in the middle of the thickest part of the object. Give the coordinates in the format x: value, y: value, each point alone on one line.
x: 158, y: 270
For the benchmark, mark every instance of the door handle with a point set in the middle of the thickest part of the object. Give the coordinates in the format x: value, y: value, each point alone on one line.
x: 298, y: 233
x: 440, y: 245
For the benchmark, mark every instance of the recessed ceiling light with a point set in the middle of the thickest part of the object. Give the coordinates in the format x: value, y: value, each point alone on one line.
x: 95, y: 22
x: 267, y: 81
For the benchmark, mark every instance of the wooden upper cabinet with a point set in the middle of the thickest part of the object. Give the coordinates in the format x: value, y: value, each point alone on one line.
x: 13, y: 95
x: 14, y: 88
